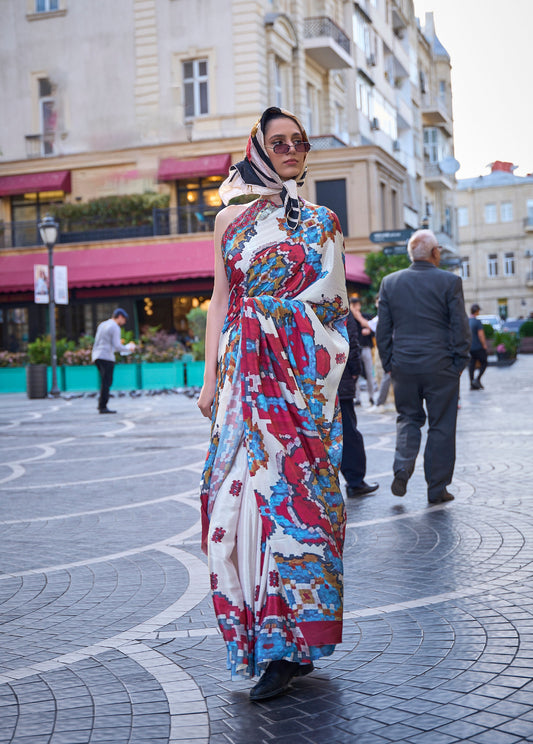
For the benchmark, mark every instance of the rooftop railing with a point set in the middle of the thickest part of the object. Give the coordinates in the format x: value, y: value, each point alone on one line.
x: 324, y: 26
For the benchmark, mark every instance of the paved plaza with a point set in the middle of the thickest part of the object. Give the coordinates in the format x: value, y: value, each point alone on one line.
x: 107, y: 633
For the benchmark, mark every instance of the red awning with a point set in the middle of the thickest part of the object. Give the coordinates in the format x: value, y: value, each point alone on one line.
x: 173, y: 169
x: 104, y: 267
x: 29, y: 182
x: 355, y: 269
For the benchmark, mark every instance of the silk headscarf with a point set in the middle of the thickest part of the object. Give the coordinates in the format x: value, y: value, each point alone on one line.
x: 256, y: 174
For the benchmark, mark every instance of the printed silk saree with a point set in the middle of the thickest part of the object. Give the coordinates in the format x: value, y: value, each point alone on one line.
x: 272, y: 511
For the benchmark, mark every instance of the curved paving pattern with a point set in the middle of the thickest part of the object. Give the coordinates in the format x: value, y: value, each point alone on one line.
x: 107, y: 633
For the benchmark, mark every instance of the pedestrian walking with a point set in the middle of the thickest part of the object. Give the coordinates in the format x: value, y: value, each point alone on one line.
x: 106, y: 343
x: 366, y: 342
x: 273, y: 512
x: 385, y: 381
x: 423, y: 339
x: 353, y: 463
x: 478, y: 349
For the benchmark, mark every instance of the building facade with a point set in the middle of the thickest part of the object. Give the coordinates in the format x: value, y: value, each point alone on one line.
x: 157, y: 97
x: 495, y: 220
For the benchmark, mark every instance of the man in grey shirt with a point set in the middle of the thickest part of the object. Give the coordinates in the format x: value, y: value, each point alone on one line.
x: 106, y: 343
x: 423, y: 339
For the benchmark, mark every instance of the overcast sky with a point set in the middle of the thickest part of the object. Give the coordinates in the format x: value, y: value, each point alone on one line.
x: 490, y: 46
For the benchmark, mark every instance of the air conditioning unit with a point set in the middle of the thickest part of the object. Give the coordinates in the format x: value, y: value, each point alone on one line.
x: 396, y: 145
x: 371, y: 60
x: 374, y: 124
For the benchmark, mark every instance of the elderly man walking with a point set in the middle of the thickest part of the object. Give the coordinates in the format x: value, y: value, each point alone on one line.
x: 423, y: 338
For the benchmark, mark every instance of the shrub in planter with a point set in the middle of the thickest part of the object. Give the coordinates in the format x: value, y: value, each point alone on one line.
x: 13, y: 358
x: 197, y: 319
x: 489, y: 330
x: 526, y: 329
x: 40, y: 350
x: 159, y: 346
x: 506, y: 343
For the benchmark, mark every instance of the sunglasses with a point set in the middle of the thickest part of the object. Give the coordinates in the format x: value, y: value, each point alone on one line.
x: 282, y: 148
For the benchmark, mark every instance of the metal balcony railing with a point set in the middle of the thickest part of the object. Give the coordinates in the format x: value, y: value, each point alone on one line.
x: 175, y: 221
x: 326, y: 142
x: 324, y: 26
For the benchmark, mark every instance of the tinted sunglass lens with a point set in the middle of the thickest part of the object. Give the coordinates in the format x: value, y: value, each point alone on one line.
x: 282, y: 148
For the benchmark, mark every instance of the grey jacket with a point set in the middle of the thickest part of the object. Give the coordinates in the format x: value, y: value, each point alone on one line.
x: 422, y: 325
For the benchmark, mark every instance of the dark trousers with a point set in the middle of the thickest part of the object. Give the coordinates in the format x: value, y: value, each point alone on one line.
x: 478, y: 355
x: 105, y: 368
x: 353, y: 463
x: 440, y: 391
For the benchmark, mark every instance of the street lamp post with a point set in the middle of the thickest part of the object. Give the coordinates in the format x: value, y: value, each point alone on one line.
x: 48, y: 228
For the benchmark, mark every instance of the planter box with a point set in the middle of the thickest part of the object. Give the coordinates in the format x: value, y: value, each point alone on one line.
x: 162, y: 375
x: 126, y: 377
x: 526, y: 345
x: 13, y: 379
x: 195, y: 374
x: 81, y: 378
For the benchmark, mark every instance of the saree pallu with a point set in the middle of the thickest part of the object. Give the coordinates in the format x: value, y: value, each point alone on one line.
x: 272, y: 511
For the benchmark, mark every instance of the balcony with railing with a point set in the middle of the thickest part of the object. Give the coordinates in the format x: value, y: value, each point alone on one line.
x: 327, y: 44
x: 170, y: 221
x: 435, y: 113
x: 436, y: 178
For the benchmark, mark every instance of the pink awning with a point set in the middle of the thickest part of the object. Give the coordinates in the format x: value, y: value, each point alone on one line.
x: 102, y: 267
x: 172, y: 169
x: 355, y: 269
x: 27, y: 183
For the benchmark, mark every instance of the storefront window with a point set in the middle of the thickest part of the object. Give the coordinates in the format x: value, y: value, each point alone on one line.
x: 198, y: 204
x: 14, y: 328
x: 26, y: 212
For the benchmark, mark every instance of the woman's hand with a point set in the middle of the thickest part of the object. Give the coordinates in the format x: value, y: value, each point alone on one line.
x: 206, y: 398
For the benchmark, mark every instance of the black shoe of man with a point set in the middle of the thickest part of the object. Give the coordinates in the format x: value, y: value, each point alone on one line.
x: 105, y: 410
x: 442, y: 498
x: 399, y: 484
x: 363, y: 490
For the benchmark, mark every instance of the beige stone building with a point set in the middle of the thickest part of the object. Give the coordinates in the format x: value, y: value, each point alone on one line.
x: 139, y: 96
x: 495, y: 219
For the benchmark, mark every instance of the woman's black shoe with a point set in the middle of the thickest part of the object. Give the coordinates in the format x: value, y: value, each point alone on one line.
x: 275, y: 679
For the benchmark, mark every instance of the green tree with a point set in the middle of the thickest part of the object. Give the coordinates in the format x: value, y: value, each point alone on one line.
x: 197, y: 319
x: 378, y: 265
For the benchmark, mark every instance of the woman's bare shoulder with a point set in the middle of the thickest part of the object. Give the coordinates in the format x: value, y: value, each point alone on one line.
x: 228, y: 214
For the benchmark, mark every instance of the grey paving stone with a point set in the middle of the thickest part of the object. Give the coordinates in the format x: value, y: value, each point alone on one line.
x: 464, y: 660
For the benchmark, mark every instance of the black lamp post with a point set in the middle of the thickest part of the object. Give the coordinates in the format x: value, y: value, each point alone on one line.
x: 49, y: 228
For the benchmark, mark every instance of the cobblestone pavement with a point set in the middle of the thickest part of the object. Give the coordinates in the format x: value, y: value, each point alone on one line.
x: 107, y: 630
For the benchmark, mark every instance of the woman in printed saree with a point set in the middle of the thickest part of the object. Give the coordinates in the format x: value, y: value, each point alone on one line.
x: 276, y: 346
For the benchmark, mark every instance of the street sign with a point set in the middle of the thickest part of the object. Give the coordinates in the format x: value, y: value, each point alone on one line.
x: 395, y: 250
x: 390, y: 236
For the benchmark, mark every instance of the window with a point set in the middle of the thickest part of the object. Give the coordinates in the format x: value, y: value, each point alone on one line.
x: 442, y: 90
x: 26, y: 211
x: 198, y: 203
x: 47, y: 115
x: 332, y: 194
x: 431, y: 144
x: 447, y: 227
x: 462, y: 216
x: 278, y: 83
x: 195, y: 82
x: 491, y: 214
x: 492, y: 264
x: 361, y: 34
x: 506, y: 211
x: 530, y: 211
x: 363, y: 97
x: 46, y: 6
x: 311, y: 114
x: 508, y: 264
x: 465, y: 267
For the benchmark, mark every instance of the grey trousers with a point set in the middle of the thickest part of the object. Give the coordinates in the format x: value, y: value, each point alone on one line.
x: 440, y: 393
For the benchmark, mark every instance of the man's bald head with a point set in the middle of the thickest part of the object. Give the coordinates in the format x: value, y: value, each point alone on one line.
x: 423, y: 246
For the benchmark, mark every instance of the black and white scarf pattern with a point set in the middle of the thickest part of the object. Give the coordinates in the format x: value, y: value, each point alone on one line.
x: 256, y: 175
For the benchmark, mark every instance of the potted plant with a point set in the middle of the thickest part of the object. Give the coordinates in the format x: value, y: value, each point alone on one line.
x: 506, y: 344
x: 39, y: 356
